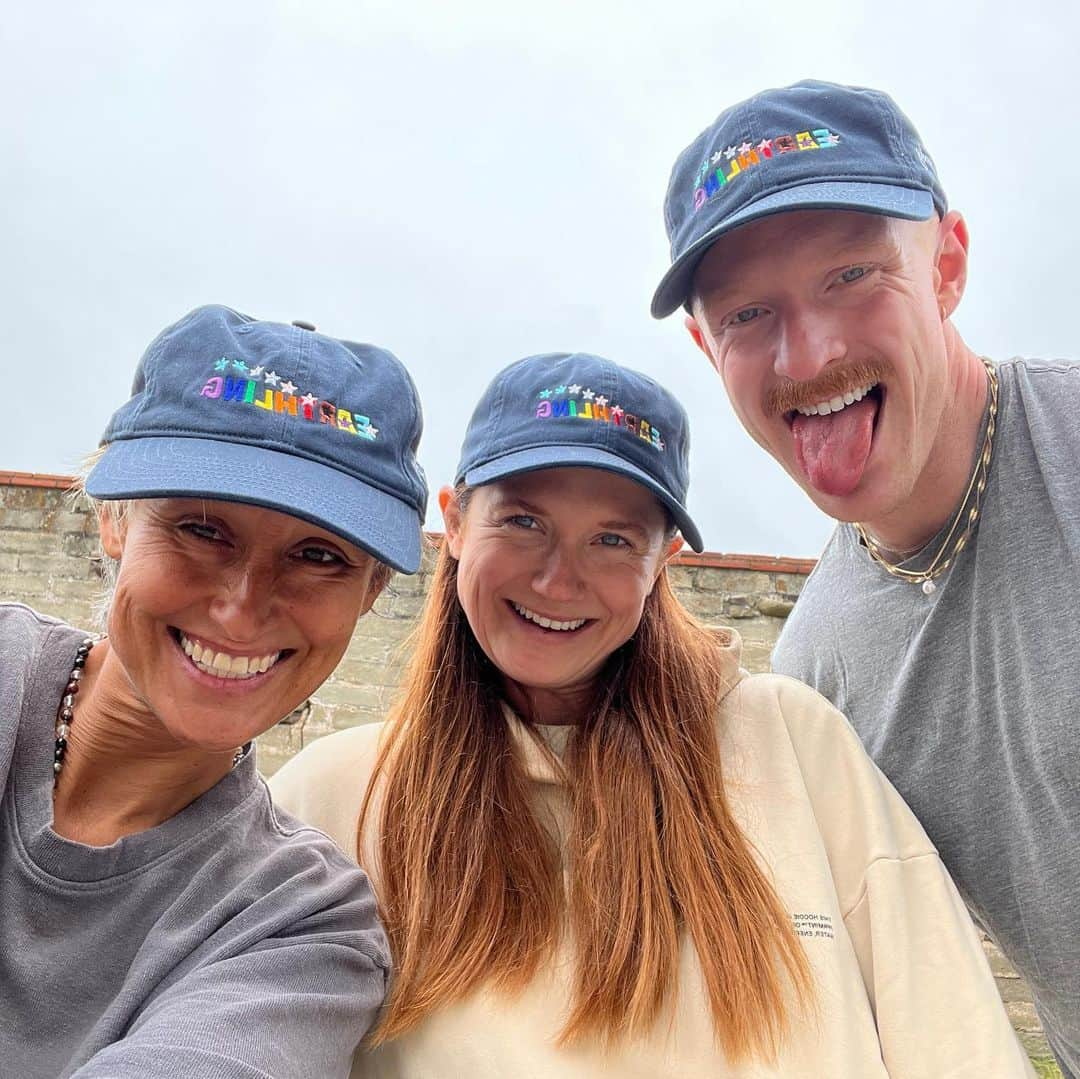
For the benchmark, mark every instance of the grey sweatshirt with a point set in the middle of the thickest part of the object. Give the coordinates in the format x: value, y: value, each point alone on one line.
x: 229, y: 941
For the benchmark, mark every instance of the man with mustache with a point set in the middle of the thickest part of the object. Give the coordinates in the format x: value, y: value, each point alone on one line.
x: 819, y: 263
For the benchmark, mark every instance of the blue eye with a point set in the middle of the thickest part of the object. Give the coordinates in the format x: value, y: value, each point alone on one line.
x: 522, y: 520
x: 853, y: 273
x: 611, y: 539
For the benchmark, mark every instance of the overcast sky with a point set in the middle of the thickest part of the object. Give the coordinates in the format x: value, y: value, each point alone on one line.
x: 468, y: 183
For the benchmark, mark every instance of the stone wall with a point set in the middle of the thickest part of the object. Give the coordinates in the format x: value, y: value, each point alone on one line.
x: 47, y: 560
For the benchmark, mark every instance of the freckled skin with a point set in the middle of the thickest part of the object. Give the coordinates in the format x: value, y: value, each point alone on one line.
x: 782, y: 300
x: 253, y: 581
x: 566, y: 543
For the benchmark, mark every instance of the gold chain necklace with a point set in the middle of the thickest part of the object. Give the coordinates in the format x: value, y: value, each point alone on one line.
x: 942, y: 561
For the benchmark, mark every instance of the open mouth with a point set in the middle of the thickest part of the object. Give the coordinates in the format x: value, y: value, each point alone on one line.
x: 873, y: 390
x: 552, y: 625
x: 833, y: 438
x: 225, y: 665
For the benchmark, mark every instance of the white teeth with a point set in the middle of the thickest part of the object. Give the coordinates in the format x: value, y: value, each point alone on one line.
x: 835, y: 404
x: 224, y: 665
x: 548, y: 623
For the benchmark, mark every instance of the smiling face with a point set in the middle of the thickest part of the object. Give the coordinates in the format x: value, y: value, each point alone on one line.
x: 553, y: 571
x: 225, y: 616
x: 827, y: 330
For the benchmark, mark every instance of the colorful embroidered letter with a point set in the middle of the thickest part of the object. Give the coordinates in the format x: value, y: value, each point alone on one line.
x: 344, y: 421
x: 235, y: 389
x: 212, y: 387
x: 249, y: 393
x: 699, y: 198
x: 363, y: 427
x: 543, y: 410
x: 267, y: 401
x: 645, y: 431
x: 284, y: 404
x: 561, y: 409
x: 825, y: 138
x: 327, y: 413
x: 600, y: 412
x: 805, y: 142
x: 784, y: 144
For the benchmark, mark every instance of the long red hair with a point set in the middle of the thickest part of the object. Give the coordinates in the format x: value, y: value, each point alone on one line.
x: 470, y: 877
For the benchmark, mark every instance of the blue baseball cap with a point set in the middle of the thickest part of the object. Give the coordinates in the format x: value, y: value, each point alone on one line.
x: 574, y: 410
x: 811, y: 146
x: 225, y: 407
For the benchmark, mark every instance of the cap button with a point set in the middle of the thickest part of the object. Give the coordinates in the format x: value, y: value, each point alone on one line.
x: 301, y: 324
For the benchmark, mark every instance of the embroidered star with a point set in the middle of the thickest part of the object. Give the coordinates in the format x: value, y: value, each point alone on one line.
x: 717, y: 157
x: 308, y: 399
x: 239, y: 365
x: 255, y: 372
x: 587, y: 395
x: 373, y: 429
x: 560, y: 389
x: 288, y: 387
x: 222, y: 365
x: 575, y: 389
x: 828, y: 139
x: 617, y: 413
x: 601, y: 400
x: 660, y: 444
x: 765, y: 145
x: 730, y: 152
x: 272, y: 378
x: 545, y: 393
x: 745, y: 148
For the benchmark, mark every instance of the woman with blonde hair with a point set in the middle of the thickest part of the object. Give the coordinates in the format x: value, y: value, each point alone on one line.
x: 159, y: 917
x: 599, y: 847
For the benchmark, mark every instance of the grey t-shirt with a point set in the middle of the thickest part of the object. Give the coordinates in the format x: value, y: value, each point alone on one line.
x: 230, y: 942
x: 968, y: 699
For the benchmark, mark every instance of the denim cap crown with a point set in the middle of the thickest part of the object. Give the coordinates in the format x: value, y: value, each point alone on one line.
x: 227, y: 407
x: 566, y: 410
x: 810, y: 146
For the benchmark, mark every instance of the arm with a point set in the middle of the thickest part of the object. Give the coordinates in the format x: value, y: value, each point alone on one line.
x: 935, y: 1004
x: 934, y: 1000
x: 293, y: 1005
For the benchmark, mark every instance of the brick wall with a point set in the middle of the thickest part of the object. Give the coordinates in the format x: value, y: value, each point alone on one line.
x: 47, y: 554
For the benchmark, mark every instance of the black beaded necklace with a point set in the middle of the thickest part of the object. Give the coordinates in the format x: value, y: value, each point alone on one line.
x: 67, y: 706
x: 66, y: 713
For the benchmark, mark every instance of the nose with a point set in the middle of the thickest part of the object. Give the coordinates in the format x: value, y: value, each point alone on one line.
x: 558, y: 577
x: 810, y: 340
x: 242, y: 603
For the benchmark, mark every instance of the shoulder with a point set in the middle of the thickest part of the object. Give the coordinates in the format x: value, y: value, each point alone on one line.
x: 324, y: 785
x: 1042, y: 385
x: 791, y: 746
x: 17, y: 621
x: 778, y: 706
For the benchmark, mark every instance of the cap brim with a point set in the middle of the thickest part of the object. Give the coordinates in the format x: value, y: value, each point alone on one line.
x: 540, y: 457
x: 373, y: 520
x: 909, y: 203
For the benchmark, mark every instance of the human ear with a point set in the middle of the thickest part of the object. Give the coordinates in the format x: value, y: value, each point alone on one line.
x: 113, y: 533
x: 452, y: 519
x: 950, y: 262
x: 693, y: 327
x: 670, y: 550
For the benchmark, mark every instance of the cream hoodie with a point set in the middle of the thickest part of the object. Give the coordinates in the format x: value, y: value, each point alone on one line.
x: 902, y: 986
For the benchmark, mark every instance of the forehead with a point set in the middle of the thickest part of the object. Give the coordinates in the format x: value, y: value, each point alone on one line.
x: 587, y: 493
x: 781, y: 243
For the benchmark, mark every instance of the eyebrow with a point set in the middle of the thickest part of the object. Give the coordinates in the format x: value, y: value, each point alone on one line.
x: 505, y: 502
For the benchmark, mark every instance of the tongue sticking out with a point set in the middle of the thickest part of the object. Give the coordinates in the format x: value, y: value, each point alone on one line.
x: 833, y: 450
